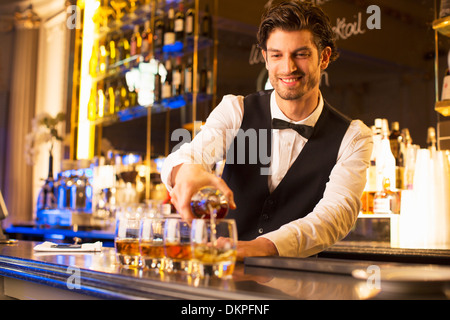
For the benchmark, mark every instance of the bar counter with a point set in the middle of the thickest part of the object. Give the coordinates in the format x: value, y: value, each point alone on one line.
x: 27, y: 274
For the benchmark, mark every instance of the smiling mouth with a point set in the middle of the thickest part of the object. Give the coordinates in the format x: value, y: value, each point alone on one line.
x: 291, y: 80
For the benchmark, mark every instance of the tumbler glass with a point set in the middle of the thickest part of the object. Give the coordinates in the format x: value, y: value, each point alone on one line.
x: 126, y: 239
x: 151, y: 245
x: 177, y: 245
x: 213, y: 245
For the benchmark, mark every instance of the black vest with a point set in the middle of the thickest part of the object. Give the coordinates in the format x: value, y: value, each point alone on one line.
x: 259, y: 211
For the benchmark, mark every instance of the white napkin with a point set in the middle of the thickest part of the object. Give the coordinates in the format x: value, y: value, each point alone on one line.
x: 85, y: 247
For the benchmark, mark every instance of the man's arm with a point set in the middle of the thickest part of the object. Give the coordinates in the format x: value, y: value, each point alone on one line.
x: 188, y: 169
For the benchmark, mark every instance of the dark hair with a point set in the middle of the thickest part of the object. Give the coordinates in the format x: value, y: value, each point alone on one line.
x: 296, y: 15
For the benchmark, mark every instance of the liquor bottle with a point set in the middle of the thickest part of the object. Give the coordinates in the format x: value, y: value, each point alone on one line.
x: 431, y: 140
x: 394, y: 140
x: 107, y: 99
x: 111, y: 98
x: 189, y: 22
x: 177, y: 85
x: 385, y: 161
x: 167, y: 86
x: 124, y: 101
x: 47, y: 195
x: 100, y: 100
x: 169, y: 35
x: 158, y: 85
x: 179, y: 23
x: 135, y: 42
x: 206, y: 26
x: 371, y: 177
x: 410, y: 160
x: 92, y: 104
x: 123, y: 48
x: 113, y: 59
x: 203, y: 79
x: 188, y: 76
x: 102, y: 57
x: 158, y: 39
x: 208, y: 202
x: 386, y: 200
x: 147, y: 40
x: 117, y: 97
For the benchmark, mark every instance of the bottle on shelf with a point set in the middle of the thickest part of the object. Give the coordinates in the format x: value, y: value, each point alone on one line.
x: 158, y: 85
x: 409, y: 160
x: 179, y: 23
x: 395, y: 139
x: 147, y: 41
x: 371, y: 176
x: 206, y: 24
x: 386, y: 201
x: 100, y: 100
x: 385, y: 161
x: 177, y: 75
x: 158, y: 38
x: 167, y: 86
x: 188, y: 76
x: 135, y: 42
x: 431, y: 140
x: 169, y: 35
x: 92, y: 104
x: 189, y: 22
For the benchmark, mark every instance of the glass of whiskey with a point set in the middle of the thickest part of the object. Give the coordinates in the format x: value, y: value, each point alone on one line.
x: 126, y: 240
x: 213, y: 245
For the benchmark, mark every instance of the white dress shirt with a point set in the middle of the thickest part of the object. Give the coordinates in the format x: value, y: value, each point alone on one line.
x: 334, y: 215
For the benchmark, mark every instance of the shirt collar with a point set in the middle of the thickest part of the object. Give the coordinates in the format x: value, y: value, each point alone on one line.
x: 309, y: 121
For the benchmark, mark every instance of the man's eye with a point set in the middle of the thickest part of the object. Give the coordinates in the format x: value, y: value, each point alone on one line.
x: 303, y: 55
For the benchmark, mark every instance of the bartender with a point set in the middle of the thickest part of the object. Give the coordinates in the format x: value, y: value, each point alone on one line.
x: 307, y: 196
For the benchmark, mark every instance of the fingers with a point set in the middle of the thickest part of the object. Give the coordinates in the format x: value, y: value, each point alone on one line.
x: 222, y: 186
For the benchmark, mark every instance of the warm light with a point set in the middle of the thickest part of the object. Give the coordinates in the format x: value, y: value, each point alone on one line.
x: 86, y: 131
x: 101, y: 103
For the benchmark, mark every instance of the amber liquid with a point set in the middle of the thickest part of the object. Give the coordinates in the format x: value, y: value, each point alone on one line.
x: 128, y: 247
x: 200, y: 209
x: 127, y: 252
x: 178, y: 251
x: 151, y: 250
x: 367, y: 202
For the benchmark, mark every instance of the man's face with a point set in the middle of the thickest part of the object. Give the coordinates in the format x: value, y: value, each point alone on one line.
x: 294, y: 63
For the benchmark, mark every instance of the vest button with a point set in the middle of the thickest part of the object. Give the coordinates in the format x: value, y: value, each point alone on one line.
x: 260, y: 230
x: 270, y: 202
x: 265, y: 216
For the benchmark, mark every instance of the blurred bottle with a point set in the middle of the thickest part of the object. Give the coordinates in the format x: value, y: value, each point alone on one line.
x: 208, y: 202
x: 385, y: 161
x: 386, y: 201
x: 431, y: 140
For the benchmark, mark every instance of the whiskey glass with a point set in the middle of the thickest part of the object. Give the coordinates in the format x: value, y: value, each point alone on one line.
x: 151, y: 242
x: 177, y: 245
x: 126, y: 240
x: 213, y: 245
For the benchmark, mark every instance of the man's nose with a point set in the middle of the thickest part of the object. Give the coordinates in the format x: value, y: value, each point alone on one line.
x: 289, y: 65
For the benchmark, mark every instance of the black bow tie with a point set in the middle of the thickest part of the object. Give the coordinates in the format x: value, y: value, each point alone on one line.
x: 305, y: 131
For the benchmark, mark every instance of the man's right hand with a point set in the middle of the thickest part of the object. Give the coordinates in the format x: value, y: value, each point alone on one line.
x: 187, y: 180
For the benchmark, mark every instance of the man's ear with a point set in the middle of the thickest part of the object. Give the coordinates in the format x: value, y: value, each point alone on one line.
x: 325, y: 58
